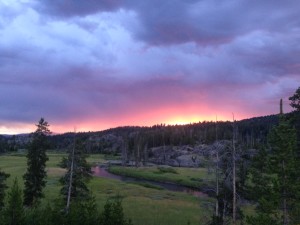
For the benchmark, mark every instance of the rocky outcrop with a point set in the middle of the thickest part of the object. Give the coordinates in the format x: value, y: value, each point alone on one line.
x: 182, y: 156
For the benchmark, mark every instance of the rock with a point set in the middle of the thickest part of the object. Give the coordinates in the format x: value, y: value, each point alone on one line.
x: 185, y: 156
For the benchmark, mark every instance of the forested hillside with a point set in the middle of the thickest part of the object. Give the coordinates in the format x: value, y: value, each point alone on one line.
x: 252, y: 132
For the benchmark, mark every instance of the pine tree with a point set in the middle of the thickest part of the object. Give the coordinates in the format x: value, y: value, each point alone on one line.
x: 295, y: 103
x: 3, y: 187
x: 295, y: 100
x: 13, y: 213
x: 282, y: 164
x: 34, y: 178
x: 261, y: 190
x: 275, y: 184
x: 77, y: 175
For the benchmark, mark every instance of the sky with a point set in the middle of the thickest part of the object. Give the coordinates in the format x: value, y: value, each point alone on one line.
x: 97, y: 64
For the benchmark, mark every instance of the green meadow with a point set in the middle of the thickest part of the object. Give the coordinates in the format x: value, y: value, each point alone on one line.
x: 144, y: 205
x: 189, y: 177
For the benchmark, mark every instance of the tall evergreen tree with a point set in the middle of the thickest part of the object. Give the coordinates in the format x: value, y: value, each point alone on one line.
x: 260, y: 189
x: 295, y: 103
x: 35, y: 175
x: 283, y: 164
x: 3, y: 187
x: 276, y: 183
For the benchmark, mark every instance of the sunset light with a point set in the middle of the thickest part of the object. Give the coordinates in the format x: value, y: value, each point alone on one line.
x: 99, y: 66
x: 157, y: 112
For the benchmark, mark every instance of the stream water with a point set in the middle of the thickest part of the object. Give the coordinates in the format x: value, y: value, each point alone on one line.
x: 102, y: 172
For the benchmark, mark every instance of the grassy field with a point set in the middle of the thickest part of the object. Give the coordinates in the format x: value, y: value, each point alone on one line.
x: 190, y: 177
x: 145, y: 206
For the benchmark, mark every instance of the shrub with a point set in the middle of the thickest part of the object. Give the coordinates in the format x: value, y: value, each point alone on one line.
x: 113, y: 213
x: 166, y: 170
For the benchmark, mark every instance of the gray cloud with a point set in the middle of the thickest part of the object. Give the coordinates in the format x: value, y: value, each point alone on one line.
x: 71, y: 8
x: 205, y: 22
x: 107, y: 60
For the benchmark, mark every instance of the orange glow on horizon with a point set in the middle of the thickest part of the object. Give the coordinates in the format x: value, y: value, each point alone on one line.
x: 181, y: 120
x: 176, y: 115
x: 137, y: 120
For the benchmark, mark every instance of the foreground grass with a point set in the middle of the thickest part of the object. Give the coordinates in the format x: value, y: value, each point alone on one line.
x: 145, y: 206
x: 190, y: 177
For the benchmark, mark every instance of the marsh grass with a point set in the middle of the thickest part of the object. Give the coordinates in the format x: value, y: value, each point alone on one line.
x: 189, y: 177
x: 147, y: 185
x: 144, y: 205
x: 166, y: 170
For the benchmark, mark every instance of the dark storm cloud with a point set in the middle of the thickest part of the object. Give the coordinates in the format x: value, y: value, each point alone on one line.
x: 204, y: 22
x: 58, y: 99
x: 77, y: 60
x: 212, y: 22
x: 70, y: 8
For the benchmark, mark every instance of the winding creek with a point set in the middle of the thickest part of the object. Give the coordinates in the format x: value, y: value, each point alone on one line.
x: 102, y: 172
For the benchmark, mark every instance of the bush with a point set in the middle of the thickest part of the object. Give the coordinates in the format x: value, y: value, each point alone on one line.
x: 113, y: 214
x: 13, y: 212
x: 166, y: 170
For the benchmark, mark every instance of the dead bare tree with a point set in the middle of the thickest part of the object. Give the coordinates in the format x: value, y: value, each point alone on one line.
x: 124, y: 151
x: 217, y: 172
x: 138, y: 140
x: 164, y: 146
x: 71, y: 174
x: 145, y: 154
x: 234, y: 172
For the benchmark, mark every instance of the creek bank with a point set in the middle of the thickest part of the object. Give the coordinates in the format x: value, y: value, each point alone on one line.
x: 102, y: 171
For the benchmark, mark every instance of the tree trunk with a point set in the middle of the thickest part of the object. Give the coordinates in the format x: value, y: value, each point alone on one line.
x: 124, y: 153
x: 71, y: 177
x: 224, y: 211
x: 217, y: 185
x: 164, y: 149
x: 234, y: 189
x: 137, y: 158
x: 145, y: 154
x: 217, y: 172
x: 285, y: 211
x: 233, y: 175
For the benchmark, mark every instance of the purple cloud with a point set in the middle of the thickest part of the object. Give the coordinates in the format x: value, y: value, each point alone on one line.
x: 113, y: 61
x: 176, y: 21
